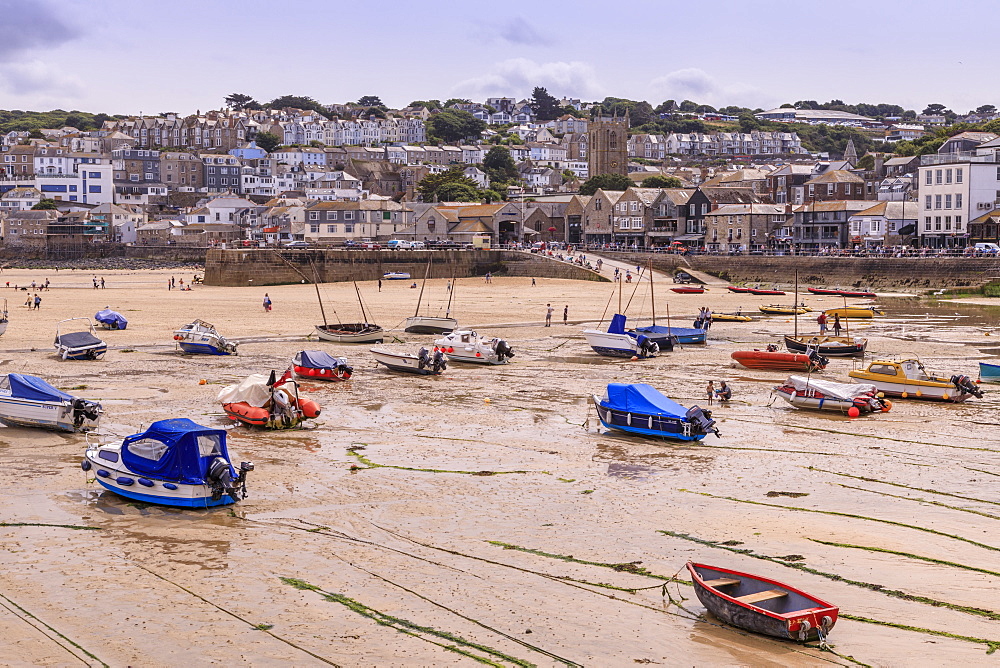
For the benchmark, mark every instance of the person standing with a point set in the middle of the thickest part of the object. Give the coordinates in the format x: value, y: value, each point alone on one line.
x: 102, y: 282
x: 710, y: 390
x: 267, y: 303
x: 822, y: 323
x: 836, y: 324
x: 380, y: 285
x: 38, y: 301
x: 46, y: 284
x: 173, y: 282
x: 566, y: 314
x: 532, y: 281
x: 548, y: 315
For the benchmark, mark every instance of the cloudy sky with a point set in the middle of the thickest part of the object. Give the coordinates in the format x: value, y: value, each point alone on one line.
x: 131, y: 56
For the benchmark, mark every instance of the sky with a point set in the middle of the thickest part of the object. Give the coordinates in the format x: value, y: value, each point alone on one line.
x: 145, y: 56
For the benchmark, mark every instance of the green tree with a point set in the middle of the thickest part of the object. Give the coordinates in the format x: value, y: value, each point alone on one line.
x: 458, y: 192
x: 431, y: 184
x: 986, y: 109
x: 666, y: 107
x: 452, y: 125
x: 688, y: 106
x: 377, y: 112
x: 605, y: 182
x: 935, y: 110
x: 658, y: 181
x: 370, y: 101
x: 267, y: 141
x: 490, y: 196
x: 499, y: 166
x: 44, y: 204
x: 545, y: 106
x: 303, y: 102
x: 456, y: 100
x: 431, y: 105
x: 240, y: 101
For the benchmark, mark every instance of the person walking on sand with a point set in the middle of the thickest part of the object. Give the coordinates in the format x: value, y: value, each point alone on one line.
x: 172, y: 282
x: 267, y: 303
x: 836, y: 324
x: 38, y: 302
x: 710, y: 390
x: 532, y: 281
x: 46, y: 284
x: 822, y: 323
x: 548, y: 315
x: 566, y: 314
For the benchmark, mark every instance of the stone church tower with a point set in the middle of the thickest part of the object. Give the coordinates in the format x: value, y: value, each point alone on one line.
x: 607, y: 145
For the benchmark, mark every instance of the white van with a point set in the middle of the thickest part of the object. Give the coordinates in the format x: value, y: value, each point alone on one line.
x: 987, y: 248
x: 417, y: 245
x: 399, y: 244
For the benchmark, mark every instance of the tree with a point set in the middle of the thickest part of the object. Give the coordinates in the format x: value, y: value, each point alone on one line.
x: 303, y: 102
x: 370, y: 101
x: 456, y: 100
x: 499, y: 166
x: 452, y: 125
x: 545, y: 106
x: 688, y: 106
x: 44, y: 204
x: 666, y: 107
x: 935, y: 110
x: 749, y: 123
x: 658, y: 181
x: 267, y: 141
x: 240, y: 101
x: 986, y: 109
x: 431, y: 105
x: 605, y: 182
x: 457, y: 192
x: 377, y: 112
x: 431, y: 185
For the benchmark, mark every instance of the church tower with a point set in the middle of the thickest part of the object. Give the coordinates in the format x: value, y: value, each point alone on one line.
x: 851, y: 153
x: 607, y: 145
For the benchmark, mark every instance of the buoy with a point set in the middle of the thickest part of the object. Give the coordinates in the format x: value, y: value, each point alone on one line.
x: 202, y: 382
x: 634, y: 358
x: 904, y: 395
x: 945, y: 396
x: 478, y: 354
x: 919, y: 393
x: 978, y: 381
x: 487, y: 400
x: 887, y: 406
x: 880, y: 395
x: 853, y: 412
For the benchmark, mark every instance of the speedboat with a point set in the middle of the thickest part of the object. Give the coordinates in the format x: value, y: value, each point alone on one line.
x: 616, y: 342
x: 423, y: 363
x: 989, y: 373
x: 909, y: 379
x: 396, y: 276
x: 762, y: 605
x: 830, y: 346
x: 467, y: 346
x: 772, y: 360
x: 854, y: 312
x: 733, y: 288
x: 200, y: 337
x: 111, y: 319
x: 262, y: 401
x: 318, y: 365
x: 28, y: 401
x: 173, y: 463
x: 842, y: 293
x: 3, y: 318
x: 805, y: 392
x: 831, y: 292
x: 641, y: 409
x: 689, y: 289
x: 778, y: 309
x: 74, y: 343
x: 425, y: 324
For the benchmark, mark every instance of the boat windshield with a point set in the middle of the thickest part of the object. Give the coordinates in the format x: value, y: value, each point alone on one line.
x: 882, y: 369
x: 915, y: 370
x: 148, y: 448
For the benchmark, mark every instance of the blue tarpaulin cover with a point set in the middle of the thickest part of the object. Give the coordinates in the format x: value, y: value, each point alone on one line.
x: 642, y: 399
x: 178, y: 450
x: 317, y: 359
x: 34, y: 388
x: 617, y: 325
x: 111, y: 318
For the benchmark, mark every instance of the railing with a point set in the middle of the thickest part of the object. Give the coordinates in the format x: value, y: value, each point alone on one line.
x: 948, y: 158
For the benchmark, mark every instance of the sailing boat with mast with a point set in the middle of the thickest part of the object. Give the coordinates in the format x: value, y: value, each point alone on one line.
x: 666, y: 337
x: 828, y: 346
x: 342, y: 332
x: 616, y: 342
x: 426, y: 324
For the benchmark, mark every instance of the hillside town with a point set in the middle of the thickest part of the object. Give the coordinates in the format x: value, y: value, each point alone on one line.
x: 358, y: 175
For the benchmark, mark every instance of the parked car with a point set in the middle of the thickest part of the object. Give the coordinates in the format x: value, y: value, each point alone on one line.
x: 297, y: 244
x: 371, y: 245
x: 683, y: 277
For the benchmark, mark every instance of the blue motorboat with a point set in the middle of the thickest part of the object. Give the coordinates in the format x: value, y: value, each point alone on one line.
x: 200, y: 338
x: 617, y: 342
x: 111, y: 319
x: 641, y: 409
x: 29, y: 401
x: 681, y: 335
x: 173, y: 463
x: 989, y: 373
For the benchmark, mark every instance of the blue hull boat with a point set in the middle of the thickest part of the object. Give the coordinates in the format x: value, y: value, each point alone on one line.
x: 989, y: 373
x: 641, y: 409
x: 681, y: 335
x: 200, y: 338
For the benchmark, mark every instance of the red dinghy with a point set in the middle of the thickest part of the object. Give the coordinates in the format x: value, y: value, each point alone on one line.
x: 762, y: 605
x: 772, y: 360
x: 690, y: 290
x: 824, y: 291
x: 859, y: 294
x: 760, y: 291
x: 733, y: 288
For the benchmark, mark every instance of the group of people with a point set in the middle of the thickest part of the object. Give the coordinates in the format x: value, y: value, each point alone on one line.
x: 171, y: 284
x: 34, y: 301
x: 549, y: 310
x: 704, y: 319
x: 35, y: 285
x: 723, y: 392
x: 98, y: 283
x: 822, y: 320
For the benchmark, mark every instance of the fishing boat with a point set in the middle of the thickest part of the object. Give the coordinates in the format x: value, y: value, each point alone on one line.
x: 318, y: 365
x: 663, y: 337
x: 616, y: 342
x: 640, y: 409
x: 778, y: 309
x: 762, y: 291
x: 110, y: 319
x: 423, y: 363
x: 854, y: 312
x: 772, y: 360
x: 396, y: 276
x: 468, y: 346
x: 76, y: 343
x: 201, y: 338
x: 989, y: 373
x: 909, y: 379
x: 28, y: 401
x: 425, y: 324
x: 689, y: 289
x: 829, y: 346
x: 805, y: 392
x: 739, y: 316
x: 762, y: 605
x: 262, y: 401
x: 173, y: 463
x: 733, y: 288
x: 3, y: 318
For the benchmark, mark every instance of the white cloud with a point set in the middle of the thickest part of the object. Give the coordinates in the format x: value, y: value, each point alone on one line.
x: 695, y: 84
x: 518, y: 76
x: 518, y: 31
x: 36, y: 78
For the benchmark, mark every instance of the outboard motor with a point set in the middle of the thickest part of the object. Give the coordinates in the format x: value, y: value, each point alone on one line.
x: 439, y: 362
x: 773, y: 348
x: 965, y: 384
x: 818, y: 359
x: 701, y: 420
x: 423, y: 359
x: 647, y: 347
x: 503, y: 350
x: 344, y: 370
x: 220, y: 478
x: 85, y: 410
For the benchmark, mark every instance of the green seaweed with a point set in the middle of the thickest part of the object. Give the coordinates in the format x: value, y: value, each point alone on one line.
x: 52, y: 630
x: 899, y: 484
x: 927, y: 501
x: 908, y: 555
x: 75, y: 527
x: 991, y: 645
x: 369, y: 464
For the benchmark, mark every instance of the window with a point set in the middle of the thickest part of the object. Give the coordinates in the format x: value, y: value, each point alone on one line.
x: 704, y: 209
x: 947, y: 176
x: 958, y: 200
x: 95, y: 189
x: 937, y: 223
x: 147, y: 448
x: 876, y: 226
x: 314, y: 215
x: 937, y: 201
x: 634, y: 206
x: 348, y: 228
x: 937, y: 176
x: 95, y: 175
x: 958, y: 175
x: 331, y: 229
x: 947, y: 201
x: 927, y: 224
x: 348, y: 215
x: 927, y: 202
x: 314, y: 229
x: 133, y: 177
x: 947, y: 223
x: 831, y: 188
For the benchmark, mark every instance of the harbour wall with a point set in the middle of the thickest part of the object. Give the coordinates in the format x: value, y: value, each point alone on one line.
x: 266, y: 266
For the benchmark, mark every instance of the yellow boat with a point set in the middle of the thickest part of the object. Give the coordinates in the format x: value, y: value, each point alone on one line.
x: 854, y: 312
x: 777, y: 309
x: 730, y: 317
x: 909, y: 379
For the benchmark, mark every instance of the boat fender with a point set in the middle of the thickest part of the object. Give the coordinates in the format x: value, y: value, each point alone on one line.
x: 103, y: 473
x: 826, y: 623
x: 169, y: 485
x: 145, y: 482
x: 85, y: 465
x: 122, y: 480
x: 804, y: 629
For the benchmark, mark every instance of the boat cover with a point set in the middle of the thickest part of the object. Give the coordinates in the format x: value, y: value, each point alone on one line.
x: 673, y: 331
x: 78, y: 340
x: 253, y: 389
x: 317, y: 359
x: 846, y: 391
x: 176, y: 449
x: 111, y: 319
x: 34, y: 388
x: 617, y: 325
x: 642, y: 399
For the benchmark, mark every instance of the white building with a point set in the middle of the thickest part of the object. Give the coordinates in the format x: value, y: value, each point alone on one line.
x: 955, y: 188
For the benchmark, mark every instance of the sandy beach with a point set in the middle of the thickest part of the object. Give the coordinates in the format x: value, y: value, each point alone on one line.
x: 483, y: 512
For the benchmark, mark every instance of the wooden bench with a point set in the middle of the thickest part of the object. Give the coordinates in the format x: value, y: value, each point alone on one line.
x: 762, y: 596
x: 721, y: 582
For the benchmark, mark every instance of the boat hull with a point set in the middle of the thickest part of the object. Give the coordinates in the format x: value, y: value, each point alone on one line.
x: 645, y: 425
x: 614, y: 345
x: 853, y: 312
x: 193, y: 348
x: 927, y: 391
x: 784, y: 310
x: 763, y: 360
x: 824, y: 291
x: 38, y: 414
x: 402, y: 362
x: 396, y: 276
x: 730, y: 317
x: 88, y: 353
x: 989, y: 373
x: 828, y: 346
x: 321, y: 374
x: 757, y: 291
x: 688, y: 291
x: 681, y: 335
x: 429, y: 325
x: 351, y: 333
x: 733, y: 288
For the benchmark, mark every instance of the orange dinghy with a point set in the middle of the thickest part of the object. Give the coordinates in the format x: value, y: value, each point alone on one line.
x: 772, y: 360
x: 265, y: 402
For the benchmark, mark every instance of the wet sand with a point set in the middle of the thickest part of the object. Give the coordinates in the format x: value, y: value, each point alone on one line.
x: 402, y: 528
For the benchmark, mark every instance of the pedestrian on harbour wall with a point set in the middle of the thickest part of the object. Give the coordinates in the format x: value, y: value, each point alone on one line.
x: 548, y: 315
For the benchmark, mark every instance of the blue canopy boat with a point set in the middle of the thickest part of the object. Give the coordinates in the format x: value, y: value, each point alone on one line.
x: 617, y: 342
x: 111, y: 319
x: 28, y: 401
x: 989, y: 373
x: 681, y: 335
x: 173, y: 463
x: 641, y: 409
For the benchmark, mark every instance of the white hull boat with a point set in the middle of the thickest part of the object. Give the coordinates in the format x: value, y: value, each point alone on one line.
x: 28, y: 401
x: 396, y: 276
x: 616, y: 342
x: 200, y: 338
x: 80, y: 344
x: 908, y: 379
x: 423, y: 363
x: 360, y: 332
x: 425, y: 324
x: 804, y: 392
x: 468, y: 346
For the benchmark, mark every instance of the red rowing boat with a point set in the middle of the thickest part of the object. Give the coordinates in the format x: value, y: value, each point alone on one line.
x: 690, y: 290
x: 824, y: 291
x: 857, y: 294
x: 768, y: 360
x: 733, y: 288
x: 760, y: 291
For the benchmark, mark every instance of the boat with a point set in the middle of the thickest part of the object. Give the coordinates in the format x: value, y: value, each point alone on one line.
x: 78, y: 344
x: 29, y: 401
x: 423, y: 363
x: 173, y: 463
x: 772, y: 360
x: 739, y: 316
x: 762, y: 605
x: 396, y: 276
x: 680, y: 335
x: 467, y: 346
x: 762, y: 291
x: 778, y: 309
x: 111, y: 319
x: 989, y: 373
x: 857, y: 294
x: 854, y: 312
x: 805, y: 392
x: 689, y: 289
x: 733, y: 288
x: 824, y: 291
x: 424, y: 324
x: 262, y: 401
x: 640, y: 409
x: 909, y: 379
x: 829, y: 346
x: 616, y: 342
x: 3, y: 318
x: 318, y: 365
x: 199, y: 337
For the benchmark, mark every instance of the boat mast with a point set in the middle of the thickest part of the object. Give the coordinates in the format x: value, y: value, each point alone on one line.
x: 620, y: 292
x: 314, y: 281
x: 652, y: 292
x: 360, y: 303
x: 795, y: 306
x: 451, y: 293
x: 420, y: 297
